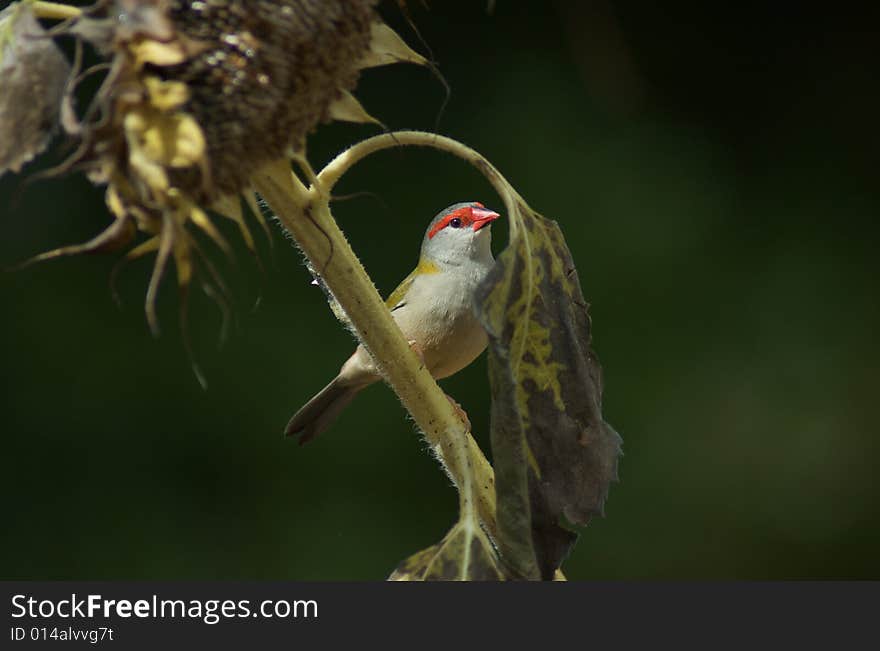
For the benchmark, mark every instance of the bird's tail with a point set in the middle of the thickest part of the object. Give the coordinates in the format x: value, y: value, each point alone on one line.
x: 320, y: 412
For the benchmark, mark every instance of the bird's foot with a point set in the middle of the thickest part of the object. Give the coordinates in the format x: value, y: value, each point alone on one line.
x: 418, y: 351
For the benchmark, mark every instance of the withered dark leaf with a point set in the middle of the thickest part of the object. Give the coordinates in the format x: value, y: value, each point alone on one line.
x: 33, y: 76
x: 465, y: 554
x: 554, y: 454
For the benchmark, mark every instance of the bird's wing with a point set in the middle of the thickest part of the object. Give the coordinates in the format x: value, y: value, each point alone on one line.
x: 396, y: 300
x: 398, y: 296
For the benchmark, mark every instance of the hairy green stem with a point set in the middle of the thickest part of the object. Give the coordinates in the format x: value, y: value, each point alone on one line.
x: 334, y: 170
x: 484, y: 475
x: 305, y: 213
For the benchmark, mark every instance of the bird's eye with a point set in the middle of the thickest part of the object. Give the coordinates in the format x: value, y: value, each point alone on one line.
x: 455, y: 222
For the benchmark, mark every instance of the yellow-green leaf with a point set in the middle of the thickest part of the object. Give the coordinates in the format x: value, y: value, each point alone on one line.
x: 465, y: 554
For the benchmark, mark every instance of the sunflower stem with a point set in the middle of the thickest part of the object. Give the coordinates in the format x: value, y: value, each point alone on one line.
x: 305, y: 213
x: 484, y: 476
x: 334, y: 170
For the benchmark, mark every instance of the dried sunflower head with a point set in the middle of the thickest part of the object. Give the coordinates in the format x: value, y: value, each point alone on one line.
x: 199, y: 94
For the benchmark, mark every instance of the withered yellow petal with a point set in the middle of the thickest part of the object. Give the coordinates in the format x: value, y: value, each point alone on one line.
x: 201, y: 219
x: 166, y: 95
x: 152, y: 174
x: 114, y: 203
x: 182, y: 261
x: 189, y: 142
x: 170, y: 140
x: 161, y: 54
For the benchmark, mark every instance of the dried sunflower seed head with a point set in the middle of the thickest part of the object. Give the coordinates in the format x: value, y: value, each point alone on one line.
x: 254, y: 77
x: 267, y: 76
x: 199, y: 94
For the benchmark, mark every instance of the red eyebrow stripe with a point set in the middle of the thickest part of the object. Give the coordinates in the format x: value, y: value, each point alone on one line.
x: 466, y: 215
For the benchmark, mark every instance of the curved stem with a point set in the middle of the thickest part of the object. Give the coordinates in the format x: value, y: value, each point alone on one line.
x: 484, y: 475
x: 334, y: 170
x: 305, y: 213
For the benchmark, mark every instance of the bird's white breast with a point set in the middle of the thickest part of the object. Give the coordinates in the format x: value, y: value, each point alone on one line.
x: 438, y: 315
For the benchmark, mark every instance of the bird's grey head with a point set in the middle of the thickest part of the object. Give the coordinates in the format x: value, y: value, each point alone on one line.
x: 460, y: 232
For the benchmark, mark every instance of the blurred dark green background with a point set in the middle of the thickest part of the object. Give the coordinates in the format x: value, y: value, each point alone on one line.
x: 715, y: 172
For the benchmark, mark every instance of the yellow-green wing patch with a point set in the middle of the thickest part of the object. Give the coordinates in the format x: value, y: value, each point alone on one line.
x: 424, y: 267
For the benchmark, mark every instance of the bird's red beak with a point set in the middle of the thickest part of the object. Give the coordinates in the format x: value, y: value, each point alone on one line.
x: 483, y: 217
